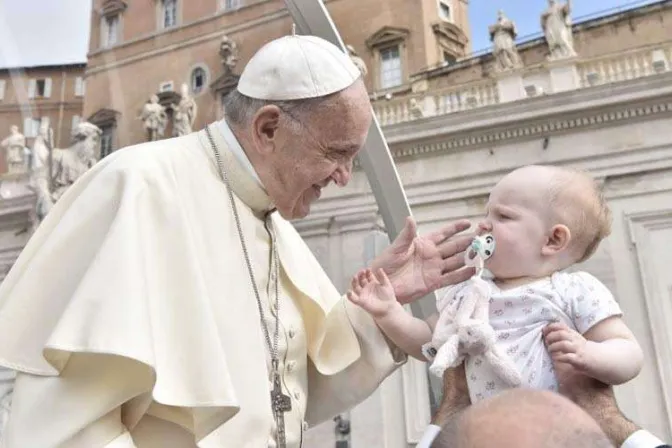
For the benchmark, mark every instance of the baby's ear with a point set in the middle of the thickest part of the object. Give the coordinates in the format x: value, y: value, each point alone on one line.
x: 558, y: 240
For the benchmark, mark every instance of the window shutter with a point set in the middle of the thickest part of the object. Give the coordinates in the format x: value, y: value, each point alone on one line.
x: 32, y: 86
x: 2, y: 89
x: 47, y: 87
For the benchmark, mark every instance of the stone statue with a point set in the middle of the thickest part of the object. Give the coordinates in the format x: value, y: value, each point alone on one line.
x: 416, y: 109
x: 54, y: 170
x: 359, y: 62
x: 184, y: 113
x: 69, y: 164
x: 14, y: 146
x: 556, y: 22
x: 228, y: 51
x: 40, y: 178
x: 154, y: 118
x: 502, y: 34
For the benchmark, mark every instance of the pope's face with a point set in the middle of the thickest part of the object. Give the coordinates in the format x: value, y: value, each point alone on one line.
x: 317, y: 148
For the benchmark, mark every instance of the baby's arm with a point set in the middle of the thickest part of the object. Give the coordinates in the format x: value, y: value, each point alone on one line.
x: 375, y: 295
x: 607, y: 352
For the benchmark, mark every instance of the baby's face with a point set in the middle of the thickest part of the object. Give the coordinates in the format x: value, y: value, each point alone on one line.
x: 517, y: 216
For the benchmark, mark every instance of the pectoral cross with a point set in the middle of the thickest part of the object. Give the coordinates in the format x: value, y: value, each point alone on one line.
x: 281, y: 403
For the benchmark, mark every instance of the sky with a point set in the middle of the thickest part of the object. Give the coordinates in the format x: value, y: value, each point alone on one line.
x: 43, y: 32
x: 525, y: 13
x: 50, y: 32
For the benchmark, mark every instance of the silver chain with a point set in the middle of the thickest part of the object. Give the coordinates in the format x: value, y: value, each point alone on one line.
x: 275, y: 271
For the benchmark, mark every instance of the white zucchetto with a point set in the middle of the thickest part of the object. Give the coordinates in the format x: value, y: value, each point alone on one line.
x: 297, y: 67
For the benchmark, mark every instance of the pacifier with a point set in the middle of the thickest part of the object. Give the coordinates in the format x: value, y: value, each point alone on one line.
x: 482, y: 247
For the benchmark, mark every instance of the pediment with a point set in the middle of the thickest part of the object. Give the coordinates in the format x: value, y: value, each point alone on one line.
x: 112, y: 7
x: 386, y: 35
x: 451, y: 32
x: 169, y: 98
x: 104, y: 117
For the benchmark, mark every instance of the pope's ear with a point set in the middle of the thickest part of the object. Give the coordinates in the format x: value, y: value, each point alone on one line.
x: 265, y: 125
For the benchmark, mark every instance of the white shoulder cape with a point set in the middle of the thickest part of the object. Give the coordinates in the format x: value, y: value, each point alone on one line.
x: 130, y: 263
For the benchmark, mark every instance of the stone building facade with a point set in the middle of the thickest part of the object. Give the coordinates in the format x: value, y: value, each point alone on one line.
x: 30, y: 94
x: 455, y: 130
x: 142, y: 48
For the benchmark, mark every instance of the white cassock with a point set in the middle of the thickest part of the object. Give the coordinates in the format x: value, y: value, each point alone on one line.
x: 132, y: 321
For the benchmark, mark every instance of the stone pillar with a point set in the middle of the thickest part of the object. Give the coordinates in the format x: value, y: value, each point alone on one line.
x: 564, y: 75
x: 510, y: 86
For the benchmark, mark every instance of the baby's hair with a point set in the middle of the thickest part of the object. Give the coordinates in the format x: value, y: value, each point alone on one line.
x: 579, y: 203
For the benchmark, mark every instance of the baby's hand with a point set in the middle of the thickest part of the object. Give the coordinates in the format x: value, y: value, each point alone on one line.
x: 374, y: 294
x: 567, y: 345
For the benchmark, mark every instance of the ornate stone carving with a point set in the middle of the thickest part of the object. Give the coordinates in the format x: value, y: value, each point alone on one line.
x: 69, y: 164
x: 228, y: 51
x: 359, y: 62
x: 15, y: 150
x: 556, y: 22
x: 416, y: 109
x: 184, y: 113
x: 154, y: 118
x: 54, y: 170
x: 40, y: 169
x: 502, y: 34
x: 227, y: 81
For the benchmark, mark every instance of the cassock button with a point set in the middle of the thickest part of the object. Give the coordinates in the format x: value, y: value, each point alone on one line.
x: 292, y: 333
x: 297, y: 394
x: 291, y: 365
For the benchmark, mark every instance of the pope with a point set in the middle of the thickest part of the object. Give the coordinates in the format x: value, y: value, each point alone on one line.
x: 166, y: 300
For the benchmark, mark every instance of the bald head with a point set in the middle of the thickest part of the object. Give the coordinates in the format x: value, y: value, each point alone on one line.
x: 523, y: 418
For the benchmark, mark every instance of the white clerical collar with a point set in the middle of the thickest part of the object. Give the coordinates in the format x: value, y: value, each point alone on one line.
x: 237, y: 150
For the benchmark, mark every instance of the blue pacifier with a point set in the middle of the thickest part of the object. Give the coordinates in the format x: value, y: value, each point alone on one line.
x: 482, y: 247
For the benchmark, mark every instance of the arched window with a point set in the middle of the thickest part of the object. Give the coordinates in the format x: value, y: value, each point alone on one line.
x: 198, y: 80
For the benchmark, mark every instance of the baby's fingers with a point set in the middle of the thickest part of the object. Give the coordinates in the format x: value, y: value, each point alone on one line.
x: 557, y: 336
x: 562, y: 347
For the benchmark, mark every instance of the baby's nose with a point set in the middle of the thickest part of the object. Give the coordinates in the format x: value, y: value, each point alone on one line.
x: 484, y: 226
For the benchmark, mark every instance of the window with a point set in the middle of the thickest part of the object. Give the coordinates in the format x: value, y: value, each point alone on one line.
x: 166, y: 86
x: 2, y: 89
x: 168, y: 13
x: 198, y: 80
x: 445, y: 12
x: 449, y: 58
x: 390, y: 67
x: 79, y: 86
x: 231, y: 4
x: 110, y: 30
x: 39, y: 88
x: 106, y: 141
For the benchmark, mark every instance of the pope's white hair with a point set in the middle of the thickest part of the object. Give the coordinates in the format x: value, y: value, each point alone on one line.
x: 240, y: 109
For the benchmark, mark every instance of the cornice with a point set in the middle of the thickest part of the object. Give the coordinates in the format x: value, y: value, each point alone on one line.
x: 533, y: 118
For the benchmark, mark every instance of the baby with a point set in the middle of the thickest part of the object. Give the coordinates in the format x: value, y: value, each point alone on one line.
x: 543, y: 220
